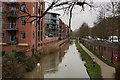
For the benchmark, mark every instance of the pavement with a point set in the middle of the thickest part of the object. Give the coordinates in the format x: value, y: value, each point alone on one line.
x: 106, y: 70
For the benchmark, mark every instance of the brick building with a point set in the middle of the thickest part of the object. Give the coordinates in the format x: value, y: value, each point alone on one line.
x: 63, y: 30
x: 16, y: 32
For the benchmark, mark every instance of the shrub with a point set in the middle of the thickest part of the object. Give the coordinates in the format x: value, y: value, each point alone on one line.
x: 118, y: 68
x: 29, y: 63
x: 11, y: 69
x: 20, y: 53
x: 13, y: 51
x: 37, y: 57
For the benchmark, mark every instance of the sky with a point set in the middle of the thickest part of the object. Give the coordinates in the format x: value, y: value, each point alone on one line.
x: 88, y: 16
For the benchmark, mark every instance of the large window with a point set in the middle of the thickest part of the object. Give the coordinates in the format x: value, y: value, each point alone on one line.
x: 23, y: 8
x: 23, y: 21
x: 22, y: 35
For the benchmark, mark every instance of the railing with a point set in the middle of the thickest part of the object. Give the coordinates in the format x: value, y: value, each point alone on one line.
x: 9, y: 26
x: 54, y: 18
x: 7, y: 40
x: 10, y: 13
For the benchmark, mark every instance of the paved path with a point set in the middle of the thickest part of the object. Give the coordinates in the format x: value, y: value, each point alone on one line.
x: 106, y: 71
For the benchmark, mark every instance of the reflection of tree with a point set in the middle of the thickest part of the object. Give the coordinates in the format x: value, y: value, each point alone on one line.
x: 48, y: 63
x: 62, y: 51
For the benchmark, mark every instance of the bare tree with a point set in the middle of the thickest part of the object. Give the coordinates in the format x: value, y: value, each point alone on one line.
x: 67, y: 6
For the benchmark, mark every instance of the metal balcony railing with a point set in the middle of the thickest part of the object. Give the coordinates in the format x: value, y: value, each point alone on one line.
x: 10, y: 27
x: 10, y: 41
x: 10, y: 13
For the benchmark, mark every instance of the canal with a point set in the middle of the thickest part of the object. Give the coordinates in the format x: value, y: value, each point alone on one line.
x: 67, y: 63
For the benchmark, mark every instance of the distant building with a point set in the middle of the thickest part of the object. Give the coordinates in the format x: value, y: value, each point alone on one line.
x: 63, y: 30
x: 51, y: 24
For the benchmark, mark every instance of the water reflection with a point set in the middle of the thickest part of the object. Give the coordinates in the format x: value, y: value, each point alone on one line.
x: 66, y: 63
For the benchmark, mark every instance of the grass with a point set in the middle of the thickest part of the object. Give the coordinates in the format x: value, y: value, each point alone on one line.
x: 105, y: 61
x: 95, y: 72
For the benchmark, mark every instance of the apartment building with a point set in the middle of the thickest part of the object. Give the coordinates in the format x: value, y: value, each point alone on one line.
x: 51, y: 24
x: 18, y: 33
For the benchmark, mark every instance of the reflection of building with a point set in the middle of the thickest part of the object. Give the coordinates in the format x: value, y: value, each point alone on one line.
x: 63, y: 30
x: 15, y: 30
x: 51, y: 24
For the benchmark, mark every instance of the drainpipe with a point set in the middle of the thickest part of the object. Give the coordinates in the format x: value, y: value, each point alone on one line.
x: 36, y: 30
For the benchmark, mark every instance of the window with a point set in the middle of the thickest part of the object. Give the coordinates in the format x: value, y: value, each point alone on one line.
x: 41, y: 44
x: 41, y: 8
x: 41, y: 35
x: 38, y: 4
x: 38, y: 14
x: 33, y: 9
x: 2, y: 34
x: 2, y: 9
x: 33, y: 34
x: 13, y: 10
x: 3, y: 23
x: 12, y: 24
x: 38, y: 45
x: 38, y: 27
x: 23, y: 8
x: 23, y: 21
x: 33, y: 23
x: 22, y: 35
x: 33, y: 45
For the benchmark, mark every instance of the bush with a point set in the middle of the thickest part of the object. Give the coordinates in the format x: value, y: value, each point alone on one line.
x: 15, y: 65
x: 117, y: 68
x: 19, y: 53
x: 11, y: 69
x: 13, y: 51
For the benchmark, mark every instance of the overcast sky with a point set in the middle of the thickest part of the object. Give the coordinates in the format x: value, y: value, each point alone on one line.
x: 89, y: 16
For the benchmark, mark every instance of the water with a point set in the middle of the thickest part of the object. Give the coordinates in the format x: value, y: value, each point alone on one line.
x: 67, y: 63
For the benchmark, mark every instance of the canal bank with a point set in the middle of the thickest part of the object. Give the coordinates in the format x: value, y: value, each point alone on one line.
x: 67, y: 63
x: 95, y: 72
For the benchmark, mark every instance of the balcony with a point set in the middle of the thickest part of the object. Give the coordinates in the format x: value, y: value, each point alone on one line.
x: 10, y: 41
x: 54, y: 18
x: 11, y: 14
x: 10, y: 27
